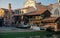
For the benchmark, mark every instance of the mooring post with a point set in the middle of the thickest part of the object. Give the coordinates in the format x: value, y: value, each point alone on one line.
x: 55, y: 27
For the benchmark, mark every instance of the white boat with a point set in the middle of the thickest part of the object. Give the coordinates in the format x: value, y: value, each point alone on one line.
x: 37, y: 28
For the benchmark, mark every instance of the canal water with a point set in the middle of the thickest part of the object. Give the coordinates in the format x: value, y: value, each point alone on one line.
x: 45, y: 36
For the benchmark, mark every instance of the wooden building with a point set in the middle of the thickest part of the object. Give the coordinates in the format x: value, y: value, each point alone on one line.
x: 52, y: 22
x: 35, y: 17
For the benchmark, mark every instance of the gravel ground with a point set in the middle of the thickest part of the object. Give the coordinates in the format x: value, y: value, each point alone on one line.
x: 13, y: 29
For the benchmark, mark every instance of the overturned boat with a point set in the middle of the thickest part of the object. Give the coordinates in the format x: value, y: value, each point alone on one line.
x: 23, y: 26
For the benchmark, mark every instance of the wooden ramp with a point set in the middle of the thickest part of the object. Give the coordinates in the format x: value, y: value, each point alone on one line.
x: 48, y: 25
x: 51, y: 25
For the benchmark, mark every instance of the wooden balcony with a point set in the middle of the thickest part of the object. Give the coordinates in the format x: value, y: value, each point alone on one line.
x: 35, y: 21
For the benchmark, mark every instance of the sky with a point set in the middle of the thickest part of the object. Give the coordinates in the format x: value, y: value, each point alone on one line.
x: 16, y: 4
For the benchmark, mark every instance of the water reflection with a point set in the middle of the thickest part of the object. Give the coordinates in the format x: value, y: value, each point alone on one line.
x: 51, y: 36
x: 39, y: 36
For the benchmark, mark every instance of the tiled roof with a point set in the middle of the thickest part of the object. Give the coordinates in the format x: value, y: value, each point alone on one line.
x: 39, y: 6
x: 40, y: 11
x: 51, y: 18
x: 49, y: 7
x: 49, y: 25
x: 4, y: 9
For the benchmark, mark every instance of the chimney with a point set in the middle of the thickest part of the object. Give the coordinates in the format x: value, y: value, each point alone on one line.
x: 9, y: 7
x: 39, y: 3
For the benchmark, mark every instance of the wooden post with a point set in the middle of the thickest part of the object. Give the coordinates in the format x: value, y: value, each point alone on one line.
x: 55, y: 27
x: 22, y: 20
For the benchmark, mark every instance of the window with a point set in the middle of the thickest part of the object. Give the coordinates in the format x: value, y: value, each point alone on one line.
x: 56, y: 12
x: 21, y: 12
x: 17, y: 12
